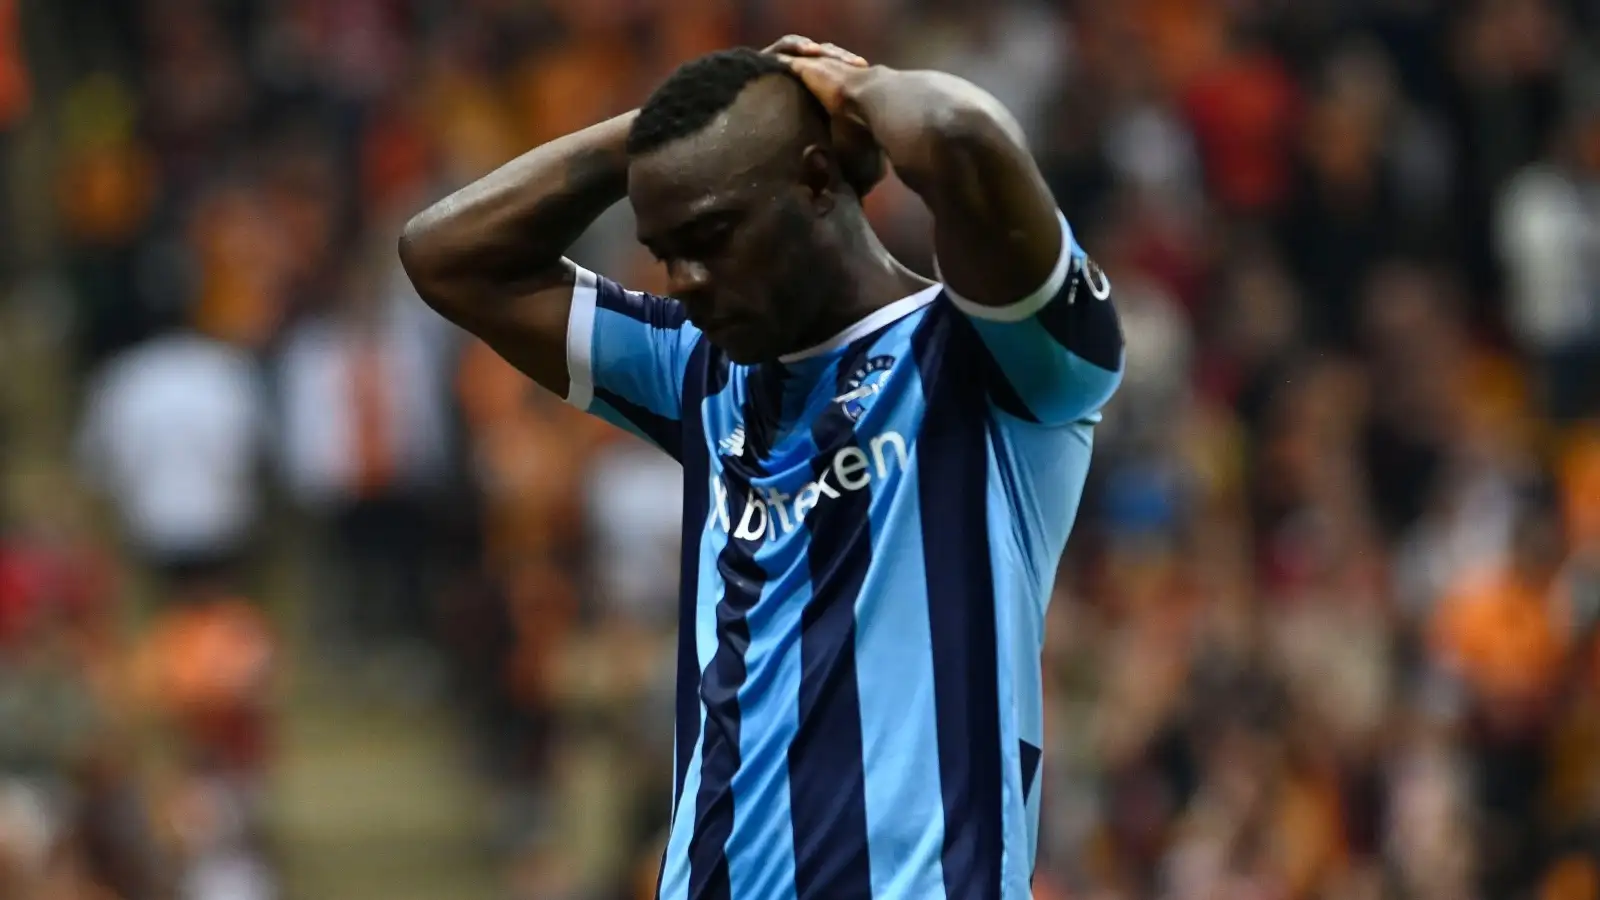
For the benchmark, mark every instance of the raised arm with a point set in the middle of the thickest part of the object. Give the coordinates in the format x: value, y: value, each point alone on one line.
x: 1006, y: 255
x: 996, y: 230
x: 490, y: 256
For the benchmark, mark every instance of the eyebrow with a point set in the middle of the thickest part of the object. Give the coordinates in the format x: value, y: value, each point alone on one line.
x: 700, y: 219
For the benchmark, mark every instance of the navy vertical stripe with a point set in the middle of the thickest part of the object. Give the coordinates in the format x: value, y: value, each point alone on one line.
x: 743, y: 580
x: 1001, y: 392
x: 763, y: 409
x: 705, y: 376
x: 952, y: 474
x: 827, y: 777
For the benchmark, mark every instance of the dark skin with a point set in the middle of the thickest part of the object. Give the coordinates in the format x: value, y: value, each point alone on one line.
x: 763, y: 243
x: 763, y: 240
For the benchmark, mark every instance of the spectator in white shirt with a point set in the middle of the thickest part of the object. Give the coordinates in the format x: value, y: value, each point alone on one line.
x: 366, y: 448
x: 173, y: 434
x: 1549, y: 235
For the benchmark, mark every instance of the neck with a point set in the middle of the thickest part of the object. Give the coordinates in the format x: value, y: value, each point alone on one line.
x: 870, y: 278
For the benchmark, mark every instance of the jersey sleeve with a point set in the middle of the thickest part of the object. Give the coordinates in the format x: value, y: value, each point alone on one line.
x: 1058, y: 350
x: 626, y: 356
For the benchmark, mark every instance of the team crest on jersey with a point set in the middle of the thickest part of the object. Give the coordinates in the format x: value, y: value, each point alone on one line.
x: 864, y: 384
x: 733, y: 444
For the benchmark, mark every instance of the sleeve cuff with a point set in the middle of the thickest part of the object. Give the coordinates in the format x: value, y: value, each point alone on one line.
x: 580, y: 338
x: 1030, y: 305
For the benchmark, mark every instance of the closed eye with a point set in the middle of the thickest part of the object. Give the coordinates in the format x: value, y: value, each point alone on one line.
x: 698, y: 239
x: 708, y: 235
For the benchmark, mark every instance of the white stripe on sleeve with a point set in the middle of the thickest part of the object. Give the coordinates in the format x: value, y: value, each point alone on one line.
x: 580, y: 338
x: 1031, y: 304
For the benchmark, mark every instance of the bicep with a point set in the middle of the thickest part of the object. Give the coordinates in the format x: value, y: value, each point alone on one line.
x: 964, y: 154
x: 994, y: 214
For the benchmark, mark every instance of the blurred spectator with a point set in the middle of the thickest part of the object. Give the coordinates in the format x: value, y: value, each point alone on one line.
x: 1017, y: 51
x: 108, y: 186
x: 1507, y: 635
x: 636, y: 512
x: 1549, y: 233
x: 1341, y: 216
x: 366, y: 452
x: 175, y: 431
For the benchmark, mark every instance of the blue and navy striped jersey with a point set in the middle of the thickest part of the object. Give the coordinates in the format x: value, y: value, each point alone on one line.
x: 871, y: 530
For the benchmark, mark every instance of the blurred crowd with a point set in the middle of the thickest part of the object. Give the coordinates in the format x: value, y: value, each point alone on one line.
x: 1326, y: 628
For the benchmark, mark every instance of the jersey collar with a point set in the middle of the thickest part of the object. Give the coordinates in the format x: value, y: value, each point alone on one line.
x: 880, y: 317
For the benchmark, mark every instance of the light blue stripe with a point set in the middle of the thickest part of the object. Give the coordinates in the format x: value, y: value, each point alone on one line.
x: 1018, y: 666
x: 1055, y: 383
x: 905, y: 809
x: 641, y: 363
x: 675, y: 874
x: 761, y: 859
x: 1026, y: 540
x: 761, y: 850
x: 1038, y: 475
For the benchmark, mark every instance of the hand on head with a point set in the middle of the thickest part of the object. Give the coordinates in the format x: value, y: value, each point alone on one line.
x: 797, y: 47
x: 827, y: 70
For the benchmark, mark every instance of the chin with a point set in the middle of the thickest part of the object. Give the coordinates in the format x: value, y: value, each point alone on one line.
x: 746, y: 356
x: 746, y: 341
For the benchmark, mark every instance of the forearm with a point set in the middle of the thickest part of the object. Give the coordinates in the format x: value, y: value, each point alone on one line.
x: 939, y: 131
x: 956, y: 146
x: 514, y: 224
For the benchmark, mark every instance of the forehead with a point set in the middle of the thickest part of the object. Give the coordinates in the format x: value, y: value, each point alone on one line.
x: 743, y: 155
x: 689, y: 177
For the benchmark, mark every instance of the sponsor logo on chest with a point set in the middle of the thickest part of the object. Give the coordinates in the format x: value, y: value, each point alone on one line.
x: 769, y: 512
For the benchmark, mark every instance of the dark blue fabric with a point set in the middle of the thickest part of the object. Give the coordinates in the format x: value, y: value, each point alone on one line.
x: 664, y: 432
x: 827, y: 776
x: 952, y: 481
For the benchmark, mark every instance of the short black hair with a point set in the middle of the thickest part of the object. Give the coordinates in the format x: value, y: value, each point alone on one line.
x: 699, y: 91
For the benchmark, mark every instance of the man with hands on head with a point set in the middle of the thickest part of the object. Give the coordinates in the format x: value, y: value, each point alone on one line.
x: 879, y: 471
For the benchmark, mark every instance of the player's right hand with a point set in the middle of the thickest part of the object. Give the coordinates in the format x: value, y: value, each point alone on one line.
x: 861, y: 160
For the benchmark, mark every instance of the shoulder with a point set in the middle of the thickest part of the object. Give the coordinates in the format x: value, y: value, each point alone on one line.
x: 941, y: 335
x: 644, y: 307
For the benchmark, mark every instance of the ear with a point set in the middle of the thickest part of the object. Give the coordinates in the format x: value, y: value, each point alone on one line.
x: 817, y: 172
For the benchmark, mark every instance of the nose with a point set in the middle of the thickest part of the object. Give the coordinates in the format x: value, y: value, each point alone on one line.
x: 686, y: 278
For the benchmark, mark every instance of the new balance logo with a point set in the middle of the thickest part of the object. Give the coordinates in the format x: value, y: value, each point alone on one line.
x: 733, y: 444
x: 769, y: 512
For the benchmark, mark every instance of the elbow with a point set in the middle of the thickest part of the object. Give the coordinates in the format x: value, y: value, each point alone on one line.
x: 416, y: 246
x: 976, y: 126
x: 406, y: 249
x: 423, y: 256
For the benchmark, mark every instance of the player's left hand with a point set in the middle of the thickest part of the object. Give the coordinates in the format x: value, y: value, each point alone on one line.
x: 829, y: 71
x: 795, y: 45
x: 826, y: 69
